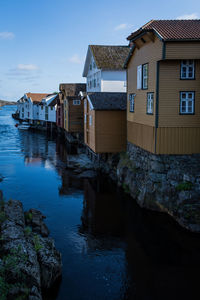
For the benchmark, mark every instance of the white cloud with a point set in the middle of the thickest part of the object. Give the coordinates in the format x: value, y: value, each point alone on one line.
x: 75, y: 59
x: 7, y: 35
x: 27, y: 67
x: 121, y: 26
x: 188, y: 17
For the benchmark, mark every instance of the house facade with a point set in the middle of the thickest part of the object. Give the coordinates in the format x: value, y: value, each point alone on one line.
x: 47, y: 109
x: 28, y: 106
x: 73, y: 106
x: 104, y: 70
x: 163, y: 87
x: 105, y: 122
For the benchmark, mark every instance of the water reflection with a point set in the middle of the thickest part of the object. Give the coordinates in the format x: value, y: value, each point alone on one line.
x: 111, y: 248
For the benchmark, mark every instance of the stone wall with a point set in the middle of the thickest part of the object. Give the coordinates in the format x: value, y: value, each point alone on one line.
x: 167, y: 183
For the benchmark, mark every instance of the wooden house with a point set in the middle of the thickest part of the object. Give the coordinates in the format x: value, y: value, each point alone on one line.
x: 104, y: 68
x: 163, y: 87
x: 47, y: 110
x: 105, y: 122
x: 28, y: 106
x: 73, y: 106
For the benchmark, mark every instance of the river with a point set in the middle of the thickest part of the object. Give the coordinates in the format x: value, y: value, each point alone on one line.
x: 111, y: 249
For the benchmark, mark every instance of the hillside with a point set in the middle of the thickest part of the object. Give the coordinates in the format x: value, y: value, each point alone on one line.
x: 3, y: 102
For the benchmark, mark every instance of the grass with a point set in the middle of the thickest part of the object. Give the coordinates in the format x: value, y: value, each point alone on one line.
x: 184, y: 186
x: 27, y: 231
x: 36, y: 241
x: 28, y: 216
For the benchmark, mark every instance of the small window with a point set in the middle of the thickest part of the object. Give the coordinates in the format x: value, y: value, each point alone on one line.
x: 131, y: 102
x: 91, y: 66
x: 145, y: 76
x: 139, y: 77
x: 94, y: 83
x: 187, y: 69
x: 85, y: 118
x: 51, y: 107
x: 150, y: 97
x: 94, y: 65
x: 90, y: 120
x: 76, y: 102
x: 42, y: 107
x: 187, y: 103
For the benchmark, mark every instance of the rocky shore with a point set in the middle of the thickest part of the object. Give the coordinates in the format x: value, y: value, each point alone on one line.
x: 29, y: 261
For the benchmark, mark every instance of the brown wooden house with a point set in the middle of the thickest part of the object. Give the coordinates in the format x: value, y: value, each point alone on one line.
x: 163, y: 87
x: 105, y: 122
x: 73, y: 106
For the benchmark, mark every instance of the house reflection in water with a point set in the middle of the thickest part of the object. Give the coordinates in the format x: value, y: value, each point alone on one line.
x: 158, y: 262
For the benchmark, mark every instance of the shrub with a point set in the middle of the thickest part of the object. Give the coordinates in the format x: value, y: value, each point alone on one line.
x: 36, y: 241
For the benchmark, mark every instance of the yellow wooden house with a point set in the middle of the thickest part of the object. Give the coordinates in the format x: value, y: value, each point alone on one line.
x: 163, y: 87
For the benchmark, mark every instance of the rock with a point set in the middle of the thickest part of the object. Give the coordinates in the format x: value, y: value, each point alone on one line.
x: 34, y: 218
x: 87, y: 174
x: 80, y: 161
x: 31, y: 261
x: 50, y: 263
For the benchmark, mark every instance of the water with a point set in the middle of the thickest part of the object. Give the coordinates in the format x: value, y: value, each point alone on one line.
x: 111, y: 248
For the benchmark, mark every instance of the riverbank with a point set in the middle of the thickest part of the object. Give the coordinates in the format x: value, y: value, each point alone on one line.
x: 3, y: 103
x: 29, y: 261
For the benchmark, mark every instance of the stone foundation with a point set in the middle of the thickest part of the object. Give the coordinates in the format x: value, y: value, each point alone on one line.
x: 168, y: 183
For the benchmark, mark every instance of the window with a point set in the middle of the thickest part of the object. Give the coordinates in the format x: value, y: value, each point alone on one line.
x: 139, y: 77
x: 132, y: 102
x: 142, y: 77
x: 187, y: 103
x: 42, y: 107
x: 91, y: 66
x: 145, y: 76
x: 187, y: 69
x: 85, y: 118
x: 51, y: 107
x: 94, y: 65
x: 94, y: 83
x: 90, y: 120
x: 76, y: 102
x: 150, y: 103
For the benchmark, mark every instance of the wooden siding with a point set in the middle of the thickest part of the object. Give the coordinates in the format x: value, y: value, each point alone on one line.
x: 178, y: 140
x: 110, y: 131
x: 170, y: 86
x: 75, y: 115
x: 89, y: 133
x: 149, y: 53
x: 182, y: 50
x: 141, y: 135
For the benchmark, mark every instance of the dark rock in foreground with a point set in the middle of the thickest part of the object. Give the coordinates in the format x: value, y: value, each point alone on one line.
x: 29, y: 261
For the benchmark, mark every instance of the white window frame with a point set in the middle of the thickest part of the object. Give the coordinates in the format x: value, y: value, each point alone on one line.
x: 187, y: 69
x: 76, y: 102
x: 90, y: 120
x: 187, y: 102
x: 139, y: 77
x: 145, y: 76
x: 150, y: 103
x: 131, y: 102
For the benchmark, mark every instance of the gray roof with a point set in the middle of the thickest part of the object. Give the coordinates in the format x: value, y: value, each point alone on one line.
x: 109, y: 57
x: 108, y: 101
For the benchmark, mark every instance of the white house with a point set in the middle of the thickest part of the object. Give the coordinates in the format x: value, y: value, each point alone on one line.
x: 104, y: 70
x: 47, y: 109
x: 28, y: 106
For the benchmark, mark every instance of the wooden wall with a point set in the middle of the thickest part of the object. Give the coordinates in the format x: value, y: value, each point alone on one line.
x: 141, y: 135
x: 75, y: 115
x: 182, y: 50
x: 110, y: 131
x: 149, y: 53
x: 178, y: 140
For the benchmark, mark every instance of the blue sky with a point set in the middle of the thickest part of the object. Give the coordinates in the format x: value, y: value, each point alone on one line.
x: 44, y: 42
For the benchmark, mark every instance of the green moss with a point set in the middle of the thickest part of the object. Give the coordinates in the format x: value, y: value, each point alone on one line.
x: 184, y: 186
x: 126, y: 188
x: 36, y: 241
x: 27, y: 231
x: 28, y: 216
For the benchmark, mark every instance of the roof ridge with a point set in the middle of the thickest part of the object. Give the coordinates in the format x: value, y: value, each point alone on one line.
x: 147, y: 24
